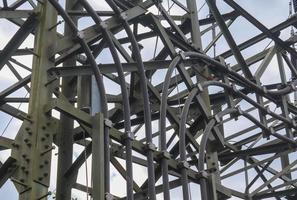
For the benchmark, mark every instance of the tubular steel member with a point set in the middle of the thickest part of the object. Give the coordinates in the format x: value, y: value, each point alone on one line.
x: 146, y: 104
x: 65, y: 133
x: 138, y: 110
x: 126, y: 107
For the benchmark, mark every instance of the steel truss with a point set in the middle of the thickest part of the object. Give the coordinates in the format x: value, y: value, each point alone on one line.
x: 171, y: 108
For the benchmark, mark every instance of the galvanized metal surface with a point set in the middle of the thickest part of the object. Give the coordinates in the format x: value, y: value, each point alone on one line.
x: 139, y: 84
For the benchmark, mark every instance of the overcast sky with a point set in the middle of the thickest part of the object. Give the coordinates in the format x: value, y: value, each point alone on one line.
x: 269, y: 12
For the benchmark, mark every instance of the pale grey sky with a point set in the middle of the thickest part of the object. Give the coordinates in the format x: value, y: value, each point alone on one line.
x: 269, y: 12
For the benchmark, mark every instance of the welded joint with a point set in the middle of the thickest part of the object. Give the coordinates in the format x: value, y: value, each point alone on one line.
x: 128, y: 136
x: 183, y: 165
x: 108, y: 123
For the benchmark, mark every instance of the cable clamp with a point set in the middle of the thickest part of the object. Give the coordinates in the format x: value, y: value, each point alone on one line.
x: 183, y: 165
x: 128, y: 136
x: 150, y: 147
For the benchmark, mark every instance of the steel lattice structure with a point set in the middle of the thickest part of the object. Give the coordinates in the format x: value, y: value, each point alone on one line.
x: 136, y: 84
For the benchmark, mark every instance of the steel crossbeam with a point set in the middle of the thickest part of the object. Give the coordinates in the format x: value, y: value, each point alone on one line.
x: 130, y: 99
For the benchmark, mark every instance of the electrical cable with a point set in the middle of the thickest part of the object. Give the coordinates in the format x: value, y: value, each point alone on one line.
x: 9, y: 122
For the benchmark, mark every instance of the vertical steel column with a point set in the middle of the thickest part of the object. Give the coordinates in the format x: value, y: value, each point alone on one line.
x: 196, y: 39
x: 40, y: 128
x: 98, y: 157
x: 65, y: 134
x: 285, y: 161
x: 195, y: 31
